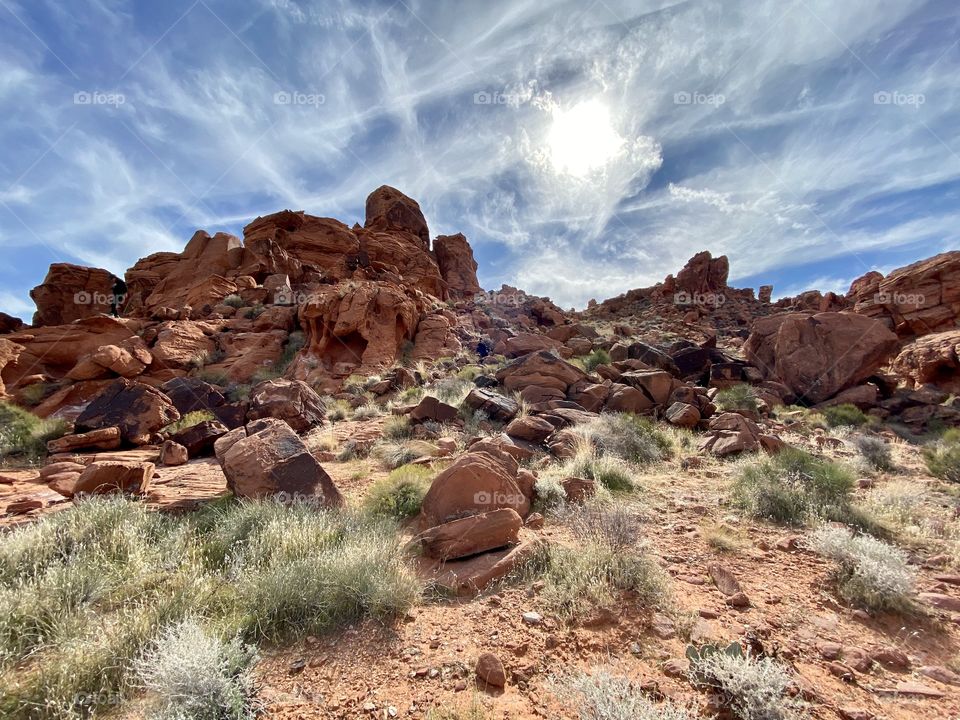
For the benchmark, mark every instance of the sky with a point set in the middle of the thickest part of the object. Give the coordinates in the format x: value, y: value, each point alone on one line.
x: 584, y: 148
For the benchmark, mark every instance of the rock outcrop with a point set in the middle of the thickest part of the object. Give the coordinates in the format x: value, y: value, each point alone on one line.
x: 137, y: 409
x: 819, y: 355
x: 71, y: 292
x: 457, y: 266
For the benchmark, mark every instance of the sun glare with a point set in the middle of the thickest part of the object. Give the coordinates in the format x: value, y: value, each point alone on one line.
x: 582, y: 138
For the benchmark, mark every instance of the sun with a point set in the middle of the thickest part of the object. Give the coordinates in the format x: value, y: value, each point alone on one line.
x: 582, y: 139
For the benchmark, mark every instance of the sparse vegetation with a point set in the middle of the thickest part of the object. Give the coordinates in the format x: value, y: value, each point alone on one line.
x: 393, y: 454
x: 338, y: 410
x: 85, y: 592
x: 548, y: 494
x: 870, y: 572
x: 35, y: 393
x: 793, y: 487
x: 596, y: 572
x: 592, y: 360
x: 189, y: 420
x: 943, y: 457
x: 191, y: 673
x: 24, y: 436
x: 627, y: 436
x: 845, y: 415
x: 609, y: 471
x: 400, y: 494
x: 234, y: 301
x: 368, y: 411
x: 604, y: 696
x: 739, y: 398
x: 752, y: 688
x: 874, y: 451
x: 396, y: 427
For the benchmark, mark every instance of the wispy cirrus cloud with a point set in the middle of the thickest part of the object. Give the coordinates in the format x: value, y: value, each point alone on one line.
x: 787, y: 135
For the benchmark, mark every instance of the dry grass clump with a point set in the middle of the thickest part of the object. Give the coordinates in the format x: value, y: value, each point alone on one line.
x: 870, y: 572
x: 85, y: 592
x: 752, y: 688
x: 399, y: 495
x: 738, y: 398
x: 943, y: 457
x: 604, y: 696
x: 874, y: 451
x: 24, y: 436
x: 631, y: 438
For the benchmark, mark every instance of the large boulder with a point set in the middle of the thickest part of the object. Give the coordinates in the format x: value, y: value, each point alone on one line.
x: 540, y: 369
x: 703, y: 274
x: 457, y: 266
x: 389, y: 209
x: 290, y: 400
x: 198, y: 439
x: 819, y: 355
x: 932, y: 359
x: 494, y: 405
x: 477, y: 482
x: 271, y: 461
x: 137, y: 409
x: 526, y: 343
x: 71, y: 292
x: 104, y: 477
x: 182, y: 345
x: 471, y: 535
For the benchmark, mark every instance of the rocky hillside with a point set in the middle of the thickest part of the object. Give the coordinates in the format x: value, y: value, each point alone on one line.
x: 687, y: 500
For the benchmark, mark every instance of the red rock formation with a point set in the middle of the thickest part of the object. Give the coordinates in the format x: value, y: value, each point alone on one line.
x: 914, y: 300
x: 389, y: 209
x: 819, y: 355
x: 457, y: 266
x: 9, y: 324
x: 703, y: 274
x: 71, y: 292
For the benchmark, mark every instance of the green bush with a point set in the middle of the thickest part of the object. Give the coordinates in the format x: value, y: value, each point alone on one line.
x: 338, y: 410
x: 793, y: 487
x: 593, y: 359
x: 609, y: 471
x: 740, y: 397
x: 393, y: 454
x: 189, y: 420
x: 846, y: 415
x: 627, y: 436
x: 24, y: 436
x: 943, y: 457
x: 400, y: 494
x: 234, y: 301
x: 875, y: 452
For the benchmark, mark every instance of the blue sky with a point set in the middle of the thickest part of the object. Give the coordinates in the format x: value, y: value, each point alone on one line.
x: 583, y: 148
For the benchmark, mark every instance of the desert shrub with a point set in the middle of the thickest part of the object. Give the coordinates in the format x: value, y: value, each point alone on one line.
x: 237, y: 392
x: 189, y: 420
x: 604, y: 696
x: 234, y: 301
x: 400, y: 494
x: 844, y: 415
x: 870, y: 572
x: 393, y: 454
x: 548, y: 493
x: 752, y: 688
x: 338, y: 410
x: 192, y: 673
x: 255, y: 312
x: 473, y: 711
x: 613, y: 525
x: 349, y: 451
x: 602, y: 565
x: 627, y: 436
x: 609, y: 471
x: 214, y: 377
x: 87, y: 591
x: 740, y: 397
x: 793, y: 486
x: 366, y: 412
x: 34, y: 394
x: 943, y: 457
x: 874, y: 451
x: 396, y: 427
x: 24, y: 436
x: 451, y: 390
x: 591, y: 360
x: 305, y: 570
x: 474, y: 422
